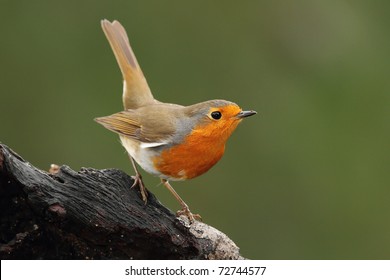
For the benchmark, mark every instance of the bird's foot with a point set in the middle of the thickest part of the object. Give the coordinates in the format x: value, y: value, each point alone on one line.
x: 138, y: 181
x: 186, y: 212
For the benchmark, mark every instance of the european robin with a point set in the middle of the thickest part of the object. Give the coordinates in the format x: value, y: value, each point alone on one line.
x: 170, y: 141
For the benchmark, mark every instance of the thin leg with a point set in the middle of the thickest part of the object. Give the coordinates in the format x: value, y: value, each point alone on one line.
x: 138, y: 181
x: 184, y: 207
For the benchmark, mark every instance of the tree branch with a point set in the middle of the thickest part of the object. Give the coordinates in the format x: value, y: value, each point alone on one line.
x: 93, y: 214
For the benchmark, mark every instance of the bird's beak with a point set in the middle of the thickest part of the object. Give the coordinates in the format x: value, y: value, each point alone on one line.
x: 244, y: 114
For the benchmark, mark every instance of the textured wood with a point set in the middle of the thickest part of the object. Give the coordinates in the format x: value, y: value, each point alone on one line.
x: 93, y: 214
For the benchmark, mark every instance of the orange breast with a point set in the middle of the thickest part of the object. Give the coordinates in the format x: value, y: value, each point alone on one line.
x: 196, y: 155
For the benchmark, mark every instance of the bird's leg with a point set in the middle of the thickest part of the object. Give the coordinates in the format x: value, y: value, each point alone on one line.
x: 184, y: 207
x: 138, y: 181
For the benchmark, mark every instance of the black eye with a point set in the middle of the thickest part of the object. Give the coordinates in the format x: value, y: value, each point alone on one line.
x: 216, y: 115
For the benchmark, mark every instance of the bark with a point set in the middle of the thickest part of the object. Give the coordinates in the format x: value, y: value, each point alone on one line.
x: 93, y: 214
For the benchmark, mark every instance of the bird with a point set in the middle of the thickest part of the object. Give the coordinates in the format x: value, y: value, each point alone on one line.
x: 170, y: 141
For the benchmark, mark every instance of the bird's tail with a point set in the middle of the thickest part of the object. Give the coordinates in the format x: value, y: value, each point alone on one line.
x: 136, y: 92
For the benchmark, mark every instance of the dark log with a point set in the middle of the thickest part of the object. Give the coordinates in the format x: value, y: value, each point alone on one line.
x: 93, y: 214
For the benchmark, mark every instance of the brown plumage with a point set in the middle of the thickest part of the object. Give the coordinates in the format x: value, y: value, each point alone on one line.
x: 170, y: 141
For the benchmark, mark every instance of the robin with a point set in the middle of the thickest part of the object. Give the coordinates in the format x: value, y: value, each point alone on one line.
x: 170, y: 141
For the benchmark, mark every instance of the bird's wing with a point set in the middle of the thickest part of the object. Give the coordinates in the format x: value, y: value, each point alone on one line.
x: 136, y: 92
x: 151, y: 132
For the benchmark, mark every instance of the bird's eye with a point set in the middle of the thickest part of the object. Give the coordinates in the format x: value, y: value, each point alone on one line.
x: 216, y: 115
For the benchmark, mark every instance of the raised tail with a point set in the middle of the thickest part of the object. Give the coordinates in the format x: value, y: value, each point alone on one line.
x: 136, y: 92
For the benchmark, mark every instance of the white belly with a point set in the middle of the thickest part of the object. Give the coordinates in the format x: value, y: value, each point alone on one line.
x: 143, y: 156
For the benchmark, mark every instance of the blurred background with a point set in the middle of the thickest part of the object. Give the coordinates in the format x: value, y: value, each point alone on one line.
x: 306, y: 178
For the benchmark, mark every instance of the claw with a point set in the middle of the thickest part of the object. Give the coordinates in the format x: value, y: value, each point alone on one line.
x: 184, y: 207
x: 138, y: 181
x: 191, y: 217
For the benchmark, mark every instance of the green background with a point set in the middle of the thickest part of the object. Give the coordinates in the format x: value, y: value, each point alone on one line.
x: 306, y: 178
